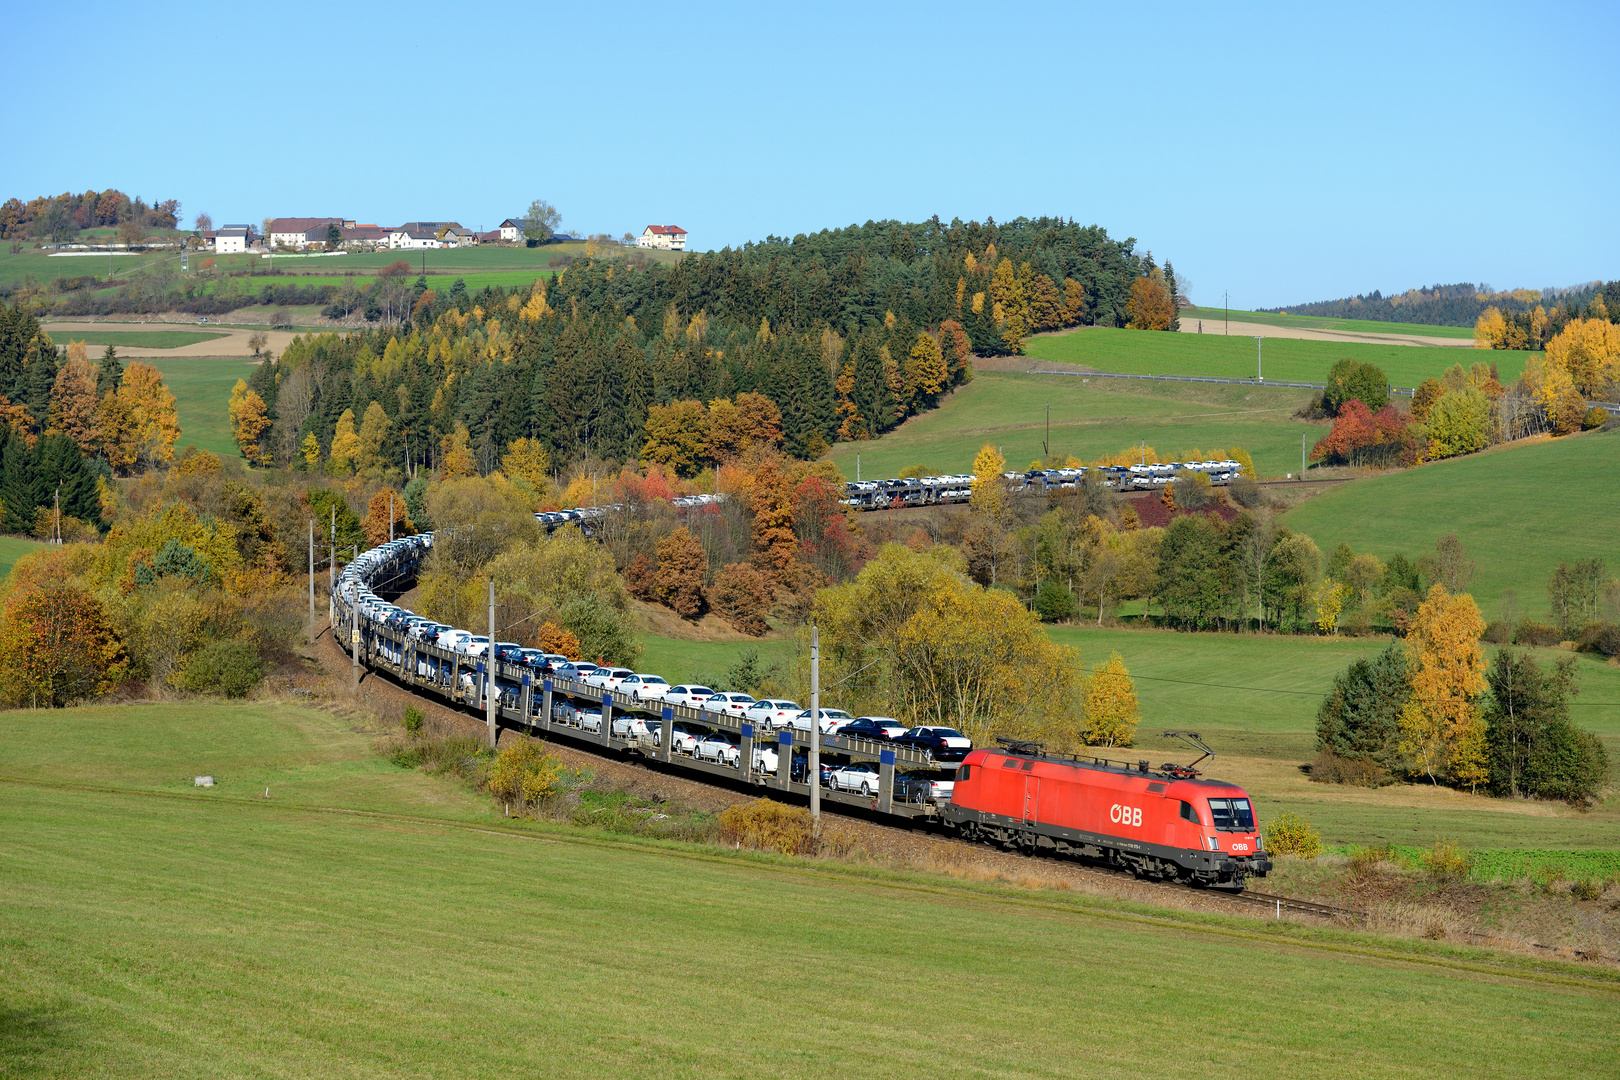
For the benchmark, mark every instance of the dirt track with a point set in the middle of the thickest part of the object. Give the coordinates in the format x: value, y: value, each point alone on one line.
x: 1252, y: 329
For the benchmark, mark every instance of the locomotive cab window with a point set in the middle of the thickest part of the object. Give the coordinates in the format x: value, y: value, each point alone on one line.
x: 1190, y: 812
x: 1232, y: 814
x: 964, y: 772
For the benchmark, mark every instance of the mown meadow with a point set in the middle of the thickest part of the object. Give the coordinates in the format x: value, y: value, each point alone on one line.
x: 152, y: 928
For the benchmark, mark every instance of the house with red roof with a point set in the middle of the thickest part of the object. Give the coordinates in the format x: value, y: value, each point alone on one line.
x: 668, y: 237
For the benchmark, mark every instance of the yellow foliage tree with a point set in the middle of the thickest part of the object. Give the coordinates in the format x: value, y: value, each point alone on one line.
x: 1111, y: 710
x: 1241, y: 456
x: 248, y: 421
x: 138, y: 421
x: 527, y: 460
x: 677, y: 436
x: 1491, y: 330
x: 1588, y: 350
x: 455, y: 453
x: 925, y: 373
x: 1330, y: 605
x: 310, y: 451
x: 374, y: 429
x: 989, y: 496
x: 345, y: 446
x: 1449, y: 673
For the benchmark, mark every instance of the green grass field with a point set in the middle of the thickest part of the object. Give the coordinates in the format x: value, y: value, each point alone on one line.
x: 202, y: 389
x: 1144, y: 352
x: 1089, y: 418
x: 13, y: 548
x: 146, y: 339
x: 151, y: 929
x: 680, y: 661
x: 1518, y: 510
x: 1212, y: 318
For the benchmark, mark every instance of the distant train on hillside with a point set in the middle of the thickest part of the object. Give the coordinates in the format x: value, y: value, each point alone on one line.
x: 958, y: 488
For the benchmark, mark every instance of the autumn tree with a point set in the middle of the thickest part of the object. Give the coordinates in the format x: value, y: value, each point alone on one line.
x: 74, y: 402
x: 551, y: 638
x: 1443, y: 729
x: 742, y: 594
x: 249, y: 422
x: 386, y: 506
x: 528, y: 460
x: 1423, y: 398
x: 775, y: 546
x: 679, y: 578
x: 1149, y: 306
x: 373, y: 456
x: 309, y: 453
x: 138, y: 421
x: 455, y: 453
x: 677, y: 436
x: 57, y: 647
x: 1111, y: 711
x: 345, y: 446
x: 989, y: 494
x: 925, y: 372
x: 1588, y: 350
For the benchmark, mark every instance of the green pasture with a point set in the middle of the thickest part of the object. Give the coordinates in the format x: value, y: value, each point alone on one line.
x: 1149, y: 352
x: 1212, y: 318
x: 679, y: 660
x: 155, y: 929
x: 202, y: 389
x: 1273, y: 683
x: 42, y: 267
x: 13, y: 548
x: 1090, y: 418
x: 145, y: 339
x: 1518, y: 509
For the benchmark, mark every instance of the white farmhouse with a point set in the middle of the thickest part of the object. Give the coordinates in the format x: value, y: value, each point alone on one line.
x: 668, y: 237
x: 511, y: 231
x: 231, y: 240
x: 295, y: 232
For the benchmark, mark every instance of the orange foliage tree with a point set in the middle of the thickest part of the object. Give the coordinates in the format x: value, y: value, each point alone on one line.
x: 1149, y: 305
x: 742, y: 594
x: 375, y: 525
x: 74, y: 401
x: 57, y: 647
x: 679, y: 578
x: 552, y: 638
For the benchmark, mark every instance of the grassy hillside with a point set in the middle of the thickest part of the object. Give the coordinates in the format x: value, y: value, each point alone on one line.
x: 1518, y: 510
x: 1212, y: 317
x: 1144, y: 352
x: 13, y: 548
x: 1089, y: 418
x: 235, y: 935
x: 202, y: 389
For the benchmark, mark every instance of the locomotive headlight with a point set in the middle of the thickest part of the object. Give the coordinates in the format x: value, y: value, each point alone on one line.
x: 1212, y: 843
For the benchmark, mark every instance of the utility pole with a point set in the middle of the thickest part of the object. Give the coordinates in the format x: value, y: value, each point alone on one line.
x: 489, y: 671
x: 1226, y: 321
x: 857, y: 468
x: 1302, y: 457
x: 1046, y: 443
x: 58, y: 530
x: 312, y: 581
x: 331, y: 566
x: 1259, y: 360
x: 814, y: 773
x: 390, y: 515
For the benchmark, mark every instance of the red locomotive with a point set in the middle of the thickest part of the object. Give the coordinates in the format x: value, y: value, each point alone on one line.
x: 1165, y: 824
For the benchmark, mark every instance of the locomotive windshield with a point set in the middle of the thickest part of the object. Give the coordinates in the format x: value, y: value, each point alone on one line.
x: 1232, y: 814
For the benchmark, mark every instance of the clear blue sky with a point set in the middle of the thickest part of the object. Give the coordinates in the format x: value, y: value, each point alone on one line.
x: 1287, y: 154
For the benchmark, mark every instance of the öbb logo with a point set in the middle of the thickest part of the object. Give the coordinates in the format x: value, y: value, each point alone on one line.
x: 1125, y: 815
